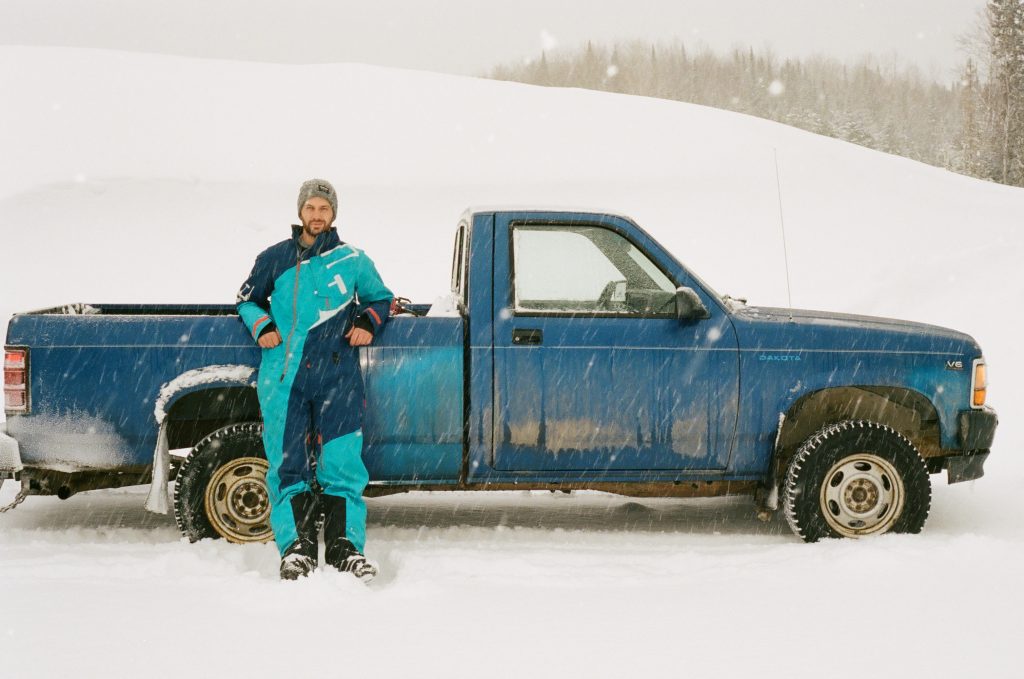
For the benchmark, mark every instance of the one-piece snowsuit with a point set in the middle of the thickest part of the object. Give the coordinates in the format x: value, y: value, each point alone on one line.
x: 310, y: 388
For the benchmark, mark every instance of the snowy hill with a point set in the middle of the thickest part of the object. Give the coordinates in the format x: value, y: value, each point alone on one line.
x: 128, y: 177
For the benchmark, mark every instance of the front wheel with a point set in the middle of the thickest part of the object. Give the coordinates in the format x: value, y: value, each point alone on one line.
x: 856, y: 478
x: 221, y: 488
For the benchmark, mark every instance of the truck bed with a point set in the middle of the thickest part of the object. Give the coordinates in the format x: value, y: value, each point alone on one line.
x: 97, y: 370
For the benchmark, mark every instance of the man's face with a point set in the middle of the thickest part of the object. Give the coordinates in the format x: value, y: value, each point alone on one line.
x: 317, y: 216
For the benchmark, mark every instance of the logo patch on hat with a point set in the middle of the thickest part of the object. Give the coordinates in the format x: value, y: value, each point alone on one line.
x: 324, y: 189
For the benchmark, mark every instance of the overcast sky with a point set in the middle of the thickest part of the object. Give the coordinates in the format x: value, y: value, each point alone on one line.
x: 470, y: 36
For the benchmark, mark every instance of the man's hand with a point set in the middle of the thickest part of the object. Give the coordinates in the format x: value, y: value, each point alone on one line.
x: 358, y: 337
x: 269, y: 340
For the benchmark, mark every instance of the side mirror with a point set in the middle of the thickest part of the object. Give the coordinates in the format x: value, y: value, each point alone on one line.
x: 689, y: 307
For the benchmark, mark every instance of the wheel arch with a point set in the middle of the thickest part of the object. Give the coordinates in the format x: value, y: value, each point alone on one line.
x: 194, y: 414
x: 907, y: 411
x: 200, y: 401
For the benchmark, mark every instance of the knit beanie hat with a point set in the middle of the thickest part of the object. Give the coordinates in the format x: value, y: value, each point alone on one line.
x: 318, y: 188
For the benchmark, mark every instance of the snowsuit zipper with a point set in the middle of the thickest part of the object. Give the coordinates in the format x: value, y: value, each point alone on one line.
x: 295, y: 315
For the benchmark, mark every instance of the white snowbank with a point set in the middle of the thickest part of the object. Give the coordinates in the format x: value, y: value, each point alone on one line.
x: 587, y: 584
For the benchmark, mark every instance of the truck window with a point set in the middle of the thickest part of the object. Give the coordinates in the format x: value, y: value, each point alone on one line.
x: 585, y: 269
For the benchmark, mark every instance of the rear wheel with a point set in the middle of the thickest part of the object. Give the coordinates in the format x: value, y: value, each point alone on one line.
x: 856, y: 478
x: 221, y: 488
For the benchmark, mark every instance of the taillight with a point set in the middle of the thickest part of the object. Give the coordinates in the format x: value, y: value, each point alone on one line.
x: 979, y: 383
x: 16, y: 380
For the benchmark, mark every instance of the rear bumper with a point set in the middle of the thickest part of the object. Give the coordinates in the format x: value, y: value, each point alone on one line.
x: 10, y: 455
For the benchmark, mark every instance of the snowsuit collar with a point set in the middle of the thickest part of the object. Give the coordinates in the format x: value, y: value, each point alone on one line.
x: 324, y: 242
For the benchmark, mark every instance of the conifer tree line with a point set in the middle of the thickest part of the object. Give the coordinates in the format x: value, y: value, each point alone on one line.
x: 974, y: 125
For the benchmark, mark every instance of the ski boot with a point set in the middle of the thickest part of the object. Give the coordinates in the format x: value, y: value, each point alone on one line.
x: 340, y: 552
x: 300, y: 559
x: 359, y: 566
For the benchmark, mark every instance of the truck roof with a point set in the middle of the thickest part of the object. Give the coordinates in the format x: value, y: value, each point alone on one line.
x: 486, y: 209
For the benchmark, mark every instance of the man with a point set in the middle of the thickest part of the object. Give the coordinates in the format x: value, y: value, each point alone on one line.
x: 310, y: 302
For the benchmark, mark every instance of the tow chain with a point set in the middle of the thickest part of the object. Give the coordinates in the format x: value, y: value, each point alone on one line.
x: 18, y: 499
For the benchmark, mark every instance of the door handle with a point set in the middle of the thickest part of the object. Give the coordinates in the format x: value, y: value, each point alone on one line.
x: 527, y: 336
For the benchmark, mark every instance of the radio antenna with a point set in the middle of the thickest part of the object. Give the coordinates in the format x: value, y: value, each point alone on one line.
x: 782, y: 225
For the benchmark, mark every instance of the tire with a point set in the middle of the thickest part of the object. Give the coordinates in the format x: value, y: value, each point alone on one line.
x: 221, y: 488
x: 854, y: 479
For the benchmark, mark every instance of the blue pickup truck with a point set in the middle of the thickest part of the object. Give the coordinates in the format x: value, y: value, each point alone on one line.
x: 576, y: 353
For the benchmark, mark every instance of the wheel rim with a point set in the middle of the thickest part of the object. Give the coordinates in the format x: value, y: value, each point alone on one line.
x: 862, y: 494
x: 237, y: 502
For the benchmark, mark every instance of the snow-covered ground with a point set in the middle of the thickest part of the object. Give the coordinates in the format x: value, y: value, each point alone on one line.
x: 127, y: 177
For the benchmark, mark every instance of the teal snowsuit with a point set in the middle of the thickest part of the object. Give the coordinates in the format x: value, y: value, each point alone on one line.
x: 309, y: 387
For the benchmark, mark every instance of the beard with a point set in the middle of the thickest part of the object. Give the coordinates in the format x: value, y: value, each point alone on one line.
x: 314, y: 228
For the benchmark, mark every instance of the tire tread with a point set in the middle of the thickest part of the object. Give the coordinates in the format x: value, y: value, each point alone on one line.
x: 189, y: 525
x: 812, y: 447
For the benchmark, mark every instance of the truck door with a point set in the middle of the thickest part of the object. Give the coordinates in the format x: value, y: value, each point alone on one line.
x: 592, y: 370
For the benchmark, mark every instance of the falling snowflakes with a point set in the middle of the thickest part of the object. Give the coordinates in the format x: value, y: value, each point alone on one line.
x: 776, y: 88
x: 548, y: 41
